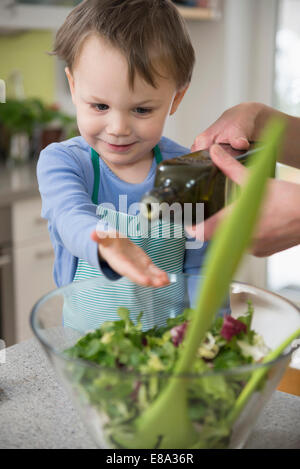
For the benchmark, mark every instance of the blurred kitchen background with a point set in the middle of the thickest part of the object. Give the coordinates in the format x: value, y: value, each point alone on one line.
x: 246, y: 50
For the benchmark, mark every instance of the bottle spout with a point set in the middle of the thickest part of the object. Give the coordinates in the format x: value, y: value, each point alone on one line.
x: 149, y: 206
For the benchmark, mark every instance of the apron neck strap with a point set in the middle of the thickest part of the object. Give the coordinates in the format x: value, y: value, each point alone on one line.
x: 96, y: 167
x: 157, y: 154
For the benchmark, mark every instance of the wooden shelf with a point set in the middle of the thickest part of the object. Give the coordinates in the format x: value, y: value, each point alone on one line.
x: 290, y: 382
x: 194, y: 13
x: 23, y: 17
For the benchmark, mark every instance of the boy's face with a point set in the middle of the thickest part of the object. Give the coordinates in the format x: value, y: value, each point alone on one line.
x: 121, y: 124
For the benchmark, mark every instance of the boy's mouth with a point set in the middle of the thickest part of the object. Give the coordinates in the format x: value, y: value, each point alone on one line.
x: 119, y: 148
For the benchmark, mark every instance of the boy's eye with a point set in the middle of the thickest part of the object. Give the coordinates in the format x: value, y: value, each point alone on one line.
x: 142, y: 110
x: 101, y: 107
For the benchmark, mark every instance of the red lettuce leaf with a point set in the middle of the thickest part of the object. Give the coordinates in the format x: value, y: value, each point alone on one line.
x: 232, y: 327
x: 177, y: 333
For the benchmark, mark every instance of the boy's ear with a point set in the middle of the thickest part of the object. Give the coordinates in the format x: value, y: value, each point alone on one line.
x: 71, y: 83
x: 177, y: 99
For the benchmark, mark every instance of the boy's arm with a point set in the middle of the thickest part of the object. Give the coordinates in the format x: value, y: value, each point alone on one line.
x: 66, y: 203
x: 68, y: 207
x: 128, y: 259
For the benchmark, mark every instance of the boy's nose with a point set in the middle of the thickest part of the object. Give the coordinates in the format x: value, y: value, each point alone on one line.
x: 118, y: 125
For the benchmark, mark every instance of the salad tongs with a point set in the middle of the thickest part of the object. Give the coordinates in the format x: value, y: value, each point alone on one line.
x: 166, y: 423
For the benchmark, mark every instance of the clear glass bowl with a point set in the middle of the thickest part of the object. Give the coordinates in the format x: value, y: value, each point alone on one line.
x: 109, y: 400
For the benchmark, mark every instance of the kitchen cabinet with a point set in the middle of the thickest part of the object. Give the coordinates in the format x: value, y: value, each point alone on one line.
x: 27, y: 273
x: 33, y: 259
x: 200, y: 14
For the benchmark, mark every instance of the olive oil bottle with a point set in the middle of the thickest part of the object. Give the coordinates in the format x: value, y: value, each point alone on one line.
x: 190, y: 179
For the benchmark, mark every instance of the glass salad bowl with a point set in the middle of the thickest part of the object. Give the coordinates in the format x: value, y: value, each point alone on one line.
x: 114, y: 373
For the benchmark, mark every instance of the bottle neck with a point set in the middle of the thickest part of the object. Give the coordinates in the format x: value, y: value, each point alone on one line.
x: 150, y: 202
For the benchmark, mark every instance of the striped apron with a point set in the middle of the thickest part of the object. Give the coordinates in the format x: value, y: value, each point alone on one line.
x: 85, y: 310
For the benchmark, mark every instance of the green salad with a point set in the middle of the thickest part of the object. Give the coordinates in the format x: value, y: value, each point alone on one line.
x: 137, y: 364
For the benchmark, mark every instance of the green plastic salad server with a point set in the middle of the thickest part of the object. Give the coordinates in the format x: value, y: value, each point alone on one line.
x: 166, y: 424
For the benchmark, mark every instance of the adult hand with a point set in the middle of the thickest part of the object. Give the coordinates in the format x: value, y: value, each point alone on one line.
x: 128, y: 259
x: 236, y: 126
x: 244, y: 123
x: 279, y: 224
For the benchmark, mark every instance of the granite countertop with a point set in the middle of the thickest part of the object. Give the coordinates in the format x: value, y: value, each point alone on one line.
x: 37, y: 413
x: 17, y: 183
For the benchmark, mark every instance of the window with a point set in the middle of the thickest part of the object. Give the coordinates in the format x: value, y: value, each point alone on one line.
x: 284, y: 267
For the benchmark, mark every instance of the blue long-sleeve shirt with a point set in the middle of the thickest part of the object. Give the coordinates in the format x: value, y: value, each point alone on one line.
x: 65, y: 176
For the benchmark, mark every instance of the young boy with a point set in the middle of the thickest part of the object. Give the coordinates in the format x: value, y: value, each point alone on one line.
x: 129, y: 63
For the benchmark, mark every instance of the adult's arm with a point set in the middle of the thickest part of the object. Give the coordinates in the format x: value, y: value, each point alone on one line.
x: 279, y: 224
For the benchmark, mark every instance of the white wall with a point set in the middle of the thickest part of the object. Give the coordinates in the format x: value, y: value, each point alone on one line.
x: 234, y: 63
x: 205, y: 98
x: 283, y: 267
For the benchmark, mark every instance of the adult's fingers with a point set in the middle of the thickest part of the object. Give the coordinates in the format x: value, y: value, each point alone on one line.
x: 203, y: 141
x: 205, y: 230
x: 239, y: 142
x: 228, y: 165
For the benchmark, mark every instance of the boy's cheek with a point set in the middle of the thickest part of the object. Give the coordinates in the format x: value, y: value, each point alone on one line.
x: 87, y: 124
x: 156, y: 128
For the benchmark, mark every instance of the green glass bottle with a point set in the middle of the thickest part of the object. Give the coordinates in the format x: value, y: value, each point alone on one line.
x: 190, y: 179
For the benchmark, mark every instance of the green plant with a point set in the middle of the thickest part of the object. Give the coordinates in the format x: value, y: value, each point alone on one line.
x: 24, y: 116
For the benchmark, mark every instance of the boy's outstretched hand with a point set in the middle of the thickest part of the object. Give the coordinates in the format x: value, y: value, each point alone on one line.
x: 129, y: 260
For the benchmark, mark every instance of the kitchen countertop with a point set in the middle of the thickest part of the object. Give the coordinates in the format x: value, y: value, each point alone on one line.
x: 17, y: 183
x: 37, y: 413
